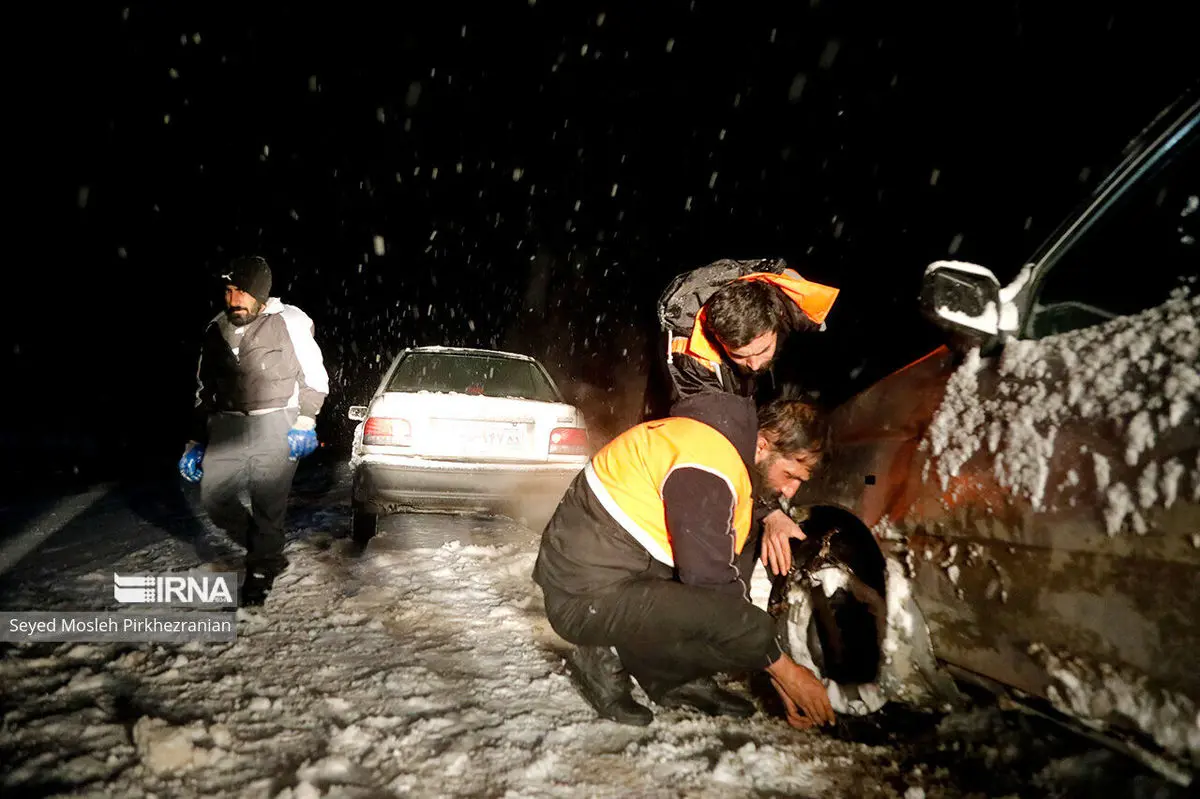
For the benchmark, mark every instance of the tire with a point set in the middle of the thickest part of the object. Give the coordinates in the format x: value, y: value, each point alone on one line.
x: 363, y: 526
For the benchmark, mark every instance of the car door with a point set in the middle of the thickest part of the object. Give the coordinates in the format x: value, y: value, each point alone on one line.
x: 1053, y: 516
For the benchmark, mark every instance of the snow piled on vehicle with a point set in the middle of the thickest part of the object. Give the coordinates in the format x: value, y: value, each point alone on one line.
x: 1130, y: 388
x: 1135, y: 373
x: 1098, y: 694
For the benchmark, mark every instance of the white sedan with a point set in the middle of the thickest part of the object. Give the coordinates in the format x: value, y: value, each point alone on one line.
x: 463, y: 429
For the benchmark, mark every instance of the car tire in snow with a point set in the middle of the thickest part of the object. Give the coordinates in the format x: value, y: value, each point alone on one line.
x: 363, y: 525
x: 846, y: 613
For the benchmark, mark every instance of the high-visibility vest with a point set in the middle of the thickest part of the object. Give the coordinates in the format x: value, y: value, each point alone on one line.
x: 815, y: 299
x: 628, y: 474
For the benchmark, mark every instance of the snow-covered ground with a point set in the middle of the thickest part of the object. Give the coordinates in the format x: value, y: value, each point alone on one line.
x: 425, y: 667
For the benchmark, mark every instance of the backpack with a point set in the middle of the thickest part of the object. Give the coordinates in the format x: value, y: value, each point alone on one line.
x: 687, y: 293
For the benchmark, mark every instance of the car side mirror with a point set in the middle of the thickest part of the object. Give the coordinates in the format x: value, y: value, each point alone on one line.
x: 358, y: 413
x: 963, y: 298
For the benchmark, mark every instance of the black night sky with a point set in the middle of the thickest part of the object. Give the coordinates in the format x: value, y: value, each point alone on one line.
x: 535, y: 173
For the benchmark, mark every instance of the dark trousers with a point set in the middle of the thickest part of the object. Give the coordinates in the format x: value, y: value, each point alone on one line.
x: 668, y: 633
x: 249, y: 454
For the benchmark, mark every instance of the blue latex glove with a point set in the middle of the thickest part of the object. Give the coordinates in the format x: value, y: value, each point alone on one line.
x: 302, y: 439
x: 189, y: 464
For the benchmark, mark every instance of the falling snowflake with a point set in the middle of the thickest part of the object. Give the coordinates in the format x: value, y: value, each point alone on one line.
x: 796, y: 90
x: 829, y: 54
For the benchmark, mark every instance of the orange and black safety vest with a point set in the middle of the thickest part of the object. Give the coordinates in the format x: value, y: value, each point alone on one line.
x: 814, y: 299
x: 628, y: 474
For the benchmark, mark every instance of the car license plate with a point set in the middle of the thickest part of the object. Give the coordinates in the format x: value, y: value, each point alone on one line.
x: 487, y: 437
x: 501, y: 437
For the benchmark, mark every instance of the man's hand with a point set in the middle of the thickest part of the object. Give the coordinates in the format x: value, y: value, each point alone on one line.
x: 189, y: 464
x: 778, y: 530
x: 800, y: 691
x: 302, y: 438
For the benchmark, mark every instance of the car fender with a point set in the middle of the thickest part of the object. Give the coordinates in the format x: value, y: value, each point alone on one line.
x: 873, y: 440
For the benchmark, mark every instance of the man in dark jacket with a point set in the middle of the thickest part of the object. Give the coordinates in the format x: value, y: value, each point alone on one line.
x: 646, y: 563
x: 725, y: 323
x: 261, y: 383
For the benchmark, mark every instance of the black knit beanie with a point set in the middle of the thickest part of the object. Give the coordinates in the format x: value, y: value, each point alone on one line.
x: 252, y: 275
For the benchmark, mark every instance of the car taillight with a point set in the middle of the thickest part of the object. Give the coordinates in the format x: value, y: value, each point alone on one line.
x: 382, y: 432
x: 569, y: 441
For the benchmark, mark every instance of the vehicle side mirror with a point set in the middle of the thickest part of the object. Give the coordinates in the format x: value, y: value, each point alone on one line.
x: 358, y: 413
x: 962, y: 297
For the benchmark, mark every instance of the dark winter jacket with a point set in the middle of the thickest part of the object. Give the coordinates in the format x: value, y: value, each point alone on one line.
x: 693, y: 362
x: 269, y: 363
x: 584, y: 550
x: 690, y: 376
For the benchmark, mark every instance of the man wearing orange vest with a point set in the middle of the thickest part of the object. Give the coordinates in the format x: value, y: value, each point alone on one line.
x: 725, y: 323
x: 646, y: 563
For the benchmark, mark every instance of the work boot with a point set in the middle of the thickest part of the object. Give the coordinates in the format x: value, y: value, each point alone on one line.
x: 598, y: 674
x: 258, y: 583
x: 705, y: 695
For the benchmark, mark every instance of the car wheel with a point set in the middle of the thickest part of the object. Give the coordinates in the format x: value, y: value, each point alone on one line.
x: 363, y: 525
x: 848, y: 613
x: 834, y: 625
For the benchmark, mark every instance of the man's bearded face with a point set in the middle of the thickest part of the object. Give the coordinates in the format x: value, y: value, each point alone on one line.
x: 240, y: 307
x: 778, y: 475
x: 755, y: 357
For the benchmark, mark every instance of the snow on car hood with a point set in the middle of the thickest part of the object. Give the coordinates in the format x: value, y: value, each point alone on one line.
x: 1139, y: 368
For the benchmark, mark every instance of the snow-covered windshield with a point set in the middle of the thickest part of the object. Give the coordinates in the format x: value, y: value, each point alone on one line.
x: 464, y: 373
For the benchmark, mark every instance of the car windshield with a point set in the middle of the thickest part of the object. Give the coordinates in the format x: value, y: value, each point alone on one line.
x: 464, y: 373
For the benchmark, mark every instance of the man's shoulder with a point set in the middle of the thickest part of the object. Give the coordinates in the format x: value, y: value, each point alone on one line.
x: 214, y: 324
x: 291, y: 314
x: 297, y: 323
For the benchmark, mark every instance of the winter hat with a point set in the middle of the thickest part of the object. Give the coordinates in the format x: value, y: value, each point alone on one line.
x: 252, y: 275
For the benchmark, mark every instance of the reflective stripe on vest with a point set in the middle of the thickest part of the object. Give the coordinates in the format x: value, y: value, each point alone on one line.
x: 628, y: 474
x: 678, y: 345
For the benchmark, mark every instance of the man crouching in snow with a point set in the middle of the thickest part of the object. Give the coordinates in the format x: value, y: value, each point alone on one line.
x: 646, y: 563
x: 262, y: 382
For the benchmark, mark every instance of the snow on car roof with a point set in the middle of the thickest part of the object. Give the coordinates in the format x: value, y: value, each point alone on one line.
x: 472, y: 351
